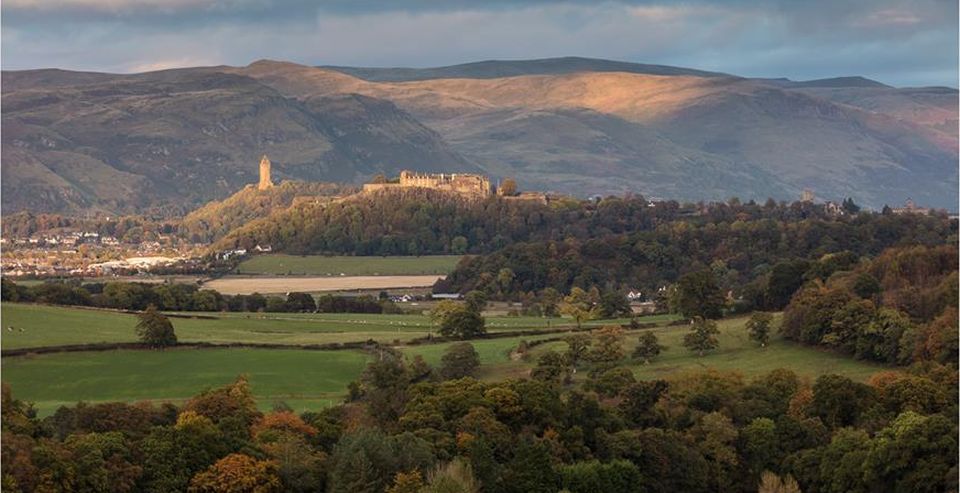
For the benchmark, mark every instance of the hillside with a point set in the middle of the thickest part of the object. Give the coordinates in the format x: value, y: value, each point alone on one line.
x: 217, y: 218
x: 174, y: 139
x: 170, y: 141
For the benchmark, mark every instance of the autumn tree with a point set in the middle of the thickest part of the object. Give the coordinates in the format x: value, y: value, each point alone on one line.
x: 237, y: 473
x: 155, y: 329
x: 771, y: 483
x: 608, y: 350
x: 648, y: 347
x: 442, y: 309
x: 702, y: 336
x: 759, y: 327
x: 580, y: 305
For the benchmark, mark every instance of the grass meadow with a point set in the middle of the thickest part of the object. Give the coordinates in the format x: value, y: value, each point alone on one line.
x: 320, y: 265
x: 303, y: 379
x: 44, y: 325
x: 313, y: 379
x: 736, y: 352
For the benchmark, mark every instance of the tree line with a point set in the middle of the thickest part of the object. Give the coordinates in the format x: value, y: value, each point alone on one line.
x: 764, y: 260
x: 186, y: 297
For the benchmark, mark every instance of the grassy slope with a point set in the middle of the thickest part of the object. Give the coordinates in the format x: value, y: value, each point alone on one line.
x: 736, y: 352
x: 304, y: 379
x: 320, y: 265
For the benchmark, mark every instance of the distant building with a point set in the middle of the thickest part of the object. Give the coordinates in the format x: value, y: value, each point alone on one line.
x: 911, y: 208
x: 834, y: 209
x: 466, y: 184
x: 265, y: 182
x: 807, y: 195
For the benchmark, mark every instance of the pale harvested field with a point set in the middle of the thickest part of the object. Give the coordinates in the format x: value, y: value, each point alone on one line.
x: 265, y: 285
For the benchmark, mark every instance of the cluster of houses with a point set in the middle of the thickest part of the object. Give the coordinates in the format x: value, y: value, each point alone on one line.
x: 241, y: 252
x: 86, y: 253
x: 63, y: 240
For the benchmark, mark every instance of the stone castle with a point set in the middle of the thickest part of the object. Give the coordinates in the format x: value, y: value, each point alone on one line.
x: 265, y: 182
x: 465, y: 184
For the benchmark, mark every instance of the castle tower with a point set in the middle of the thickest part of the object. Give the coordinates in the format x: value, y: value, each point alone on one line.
x: 265, y: 182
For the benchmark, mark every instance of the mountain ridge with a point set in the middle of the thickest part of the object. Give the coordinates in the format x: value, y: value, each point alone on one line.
x: 190, y: 135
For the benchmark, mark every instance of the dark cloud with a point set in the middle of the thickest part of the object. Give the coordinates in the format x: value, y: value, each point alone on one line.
x: 902, y: 42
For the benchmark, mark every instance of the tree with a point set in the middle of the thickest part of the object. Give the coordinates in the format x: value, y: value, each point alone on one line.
x: 698, y: 295
x: 866, y: 286
x: 785, y: 278
x: 301, y: 302
x: 476, y: 300
x: 839, y: 401
x: 849, y: 206
x: 580, y: 305
x: 915, y: 453
x: 608, y: 349
x: 771, y: 483
x: 454, y: 477
x: 462, y: 323
x: 442, y: 309
x: 552, y: 367
x: 759, y: 327
x: 648, y: 347
x: 459, y: 245
x: 614, y: 304
x: 459, y: 360
x: 237, y: 473
x: 639, y: 399
x: 155, y: 329
x: 578, y: 346
x: 702, y: 336
x: 550, y: 299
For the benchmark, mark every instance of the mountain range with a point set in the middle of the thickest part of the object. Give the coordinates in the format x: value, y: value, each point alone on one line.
x: 166, y: 142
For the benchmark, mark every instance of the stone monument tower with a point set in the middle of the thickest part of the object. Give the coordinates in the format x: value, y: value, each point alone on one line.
x: 265, y: 182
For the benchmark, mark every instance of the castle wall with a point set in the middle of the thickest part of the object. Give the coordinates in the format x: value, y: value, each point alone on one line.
x: 460, y: 183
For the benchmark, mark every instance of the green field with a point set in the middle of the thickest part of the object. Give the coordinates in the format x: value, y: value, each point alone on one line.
x: 312, y: 379
x: 736, y: 352
x: 303, y: 379
x: 319, y: 265
x: 53, y: 326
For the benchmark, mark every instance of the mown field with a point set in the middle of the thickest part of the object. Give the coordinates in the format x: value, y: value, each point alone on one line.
x: 303, y: 379
x: 318, y: 284
x: 319, y: 265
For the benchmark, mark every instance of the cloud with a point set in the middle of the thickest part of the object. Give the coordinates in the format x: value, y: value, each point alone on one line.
x: 907, y: 42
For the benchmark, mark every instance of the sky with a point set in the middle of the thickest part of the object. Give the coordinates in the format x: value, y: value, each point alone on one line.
x: 898, y: 42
